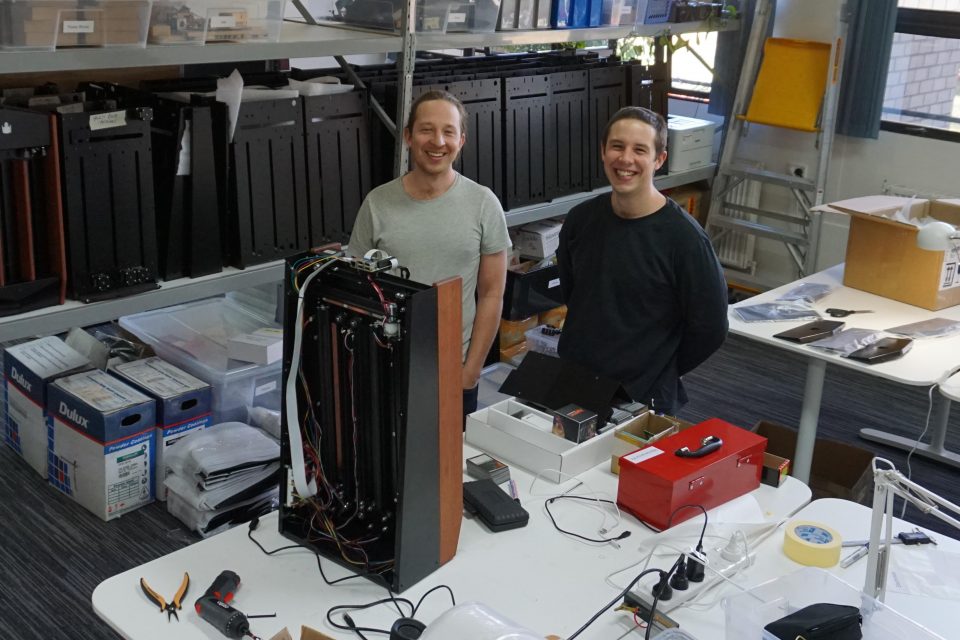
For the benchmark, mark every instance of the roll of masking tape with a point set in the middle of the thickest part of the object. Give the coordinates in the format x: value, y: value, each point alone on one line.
x: 811, y: 544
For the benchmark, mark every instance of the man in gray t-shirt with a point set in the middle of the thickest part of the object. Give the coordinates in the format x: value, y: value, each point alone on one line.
x: 440, y: 224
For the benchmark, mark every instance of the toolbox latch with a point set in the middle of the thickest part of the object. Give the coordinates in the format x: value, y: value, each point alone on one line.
x: 696, y: 483
x: 745, y: 460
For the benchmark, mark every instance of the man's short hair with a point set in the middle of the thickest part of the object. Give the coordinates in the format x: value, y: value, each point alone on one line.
x: 437, y: 95
x: 652, y: 118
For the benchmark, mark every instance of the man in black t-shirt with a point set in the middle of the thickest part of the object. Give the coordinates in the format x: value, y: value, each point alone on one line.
x: 645, y: 293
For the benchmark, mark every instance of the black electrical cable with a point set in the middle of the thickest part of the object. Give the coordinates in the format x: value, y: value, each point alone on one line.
x: 703, y: 531
x: 352, y: 626
x: 375, y: 577
x: 453, y: 599
x: 613, y: 602
x: 549, y: 501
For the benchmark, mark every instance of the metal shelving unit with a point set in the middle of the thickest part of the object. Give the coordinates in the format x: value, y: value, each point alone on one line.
x: 77, y: 314
x: 561, y: 206
x: 301, y: 40
x: 298, y: 40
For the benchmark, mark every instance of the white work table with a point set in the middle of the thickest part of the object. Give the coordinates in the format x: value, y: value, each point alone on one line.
x: 928, y: 362
x: 535, y: 576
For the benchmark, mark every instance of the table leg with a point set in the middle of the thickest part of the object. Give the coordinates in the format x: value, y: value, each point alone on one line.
x: 809, y: 416
x: 935, y: 450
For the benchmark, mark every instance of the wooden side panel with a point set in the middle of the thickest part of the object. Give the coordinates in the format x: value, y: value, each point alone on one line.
x: 450, y: 402
x: 24, y: 213
x: 56, y: 245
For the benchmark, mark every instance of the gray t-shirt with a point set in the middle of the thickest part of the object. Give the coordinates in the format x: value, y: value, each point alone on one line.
x: 436, y: 239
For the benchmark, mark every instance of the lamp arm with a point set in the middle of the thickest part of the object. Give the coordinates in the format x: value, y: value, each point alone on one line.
x: 888, y: 482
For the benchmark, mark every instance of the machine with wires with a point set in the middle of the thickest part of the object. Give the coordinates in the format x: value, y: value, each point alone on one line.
x: 372, y: 418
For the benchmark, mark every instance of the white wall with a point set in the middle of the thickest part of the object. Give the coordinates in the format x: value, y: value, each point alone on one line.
x: 857, y: 167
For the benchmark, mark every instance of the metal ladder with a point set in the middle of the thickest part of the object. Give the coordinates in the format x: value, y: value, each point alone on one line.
x: 801, y: 231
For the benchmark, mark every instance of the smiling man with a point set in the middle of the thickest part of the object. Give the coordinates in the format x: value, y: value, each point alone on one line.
x: 440, y: 224
x: 646, y: 297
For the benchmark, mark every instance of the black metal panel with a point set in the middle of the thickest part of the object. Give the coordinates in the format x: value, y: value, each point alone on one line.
x: 338, y: 162
x: 374, y: 427
x: 571, y: 133
x: 109, y: 205
x: 607, y: 96
x: 268, y: 217
x: 528, y: 127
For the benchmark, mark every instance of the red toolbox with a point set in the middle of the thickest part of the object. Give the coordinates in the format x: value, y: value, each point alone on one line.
x: 655, y: 480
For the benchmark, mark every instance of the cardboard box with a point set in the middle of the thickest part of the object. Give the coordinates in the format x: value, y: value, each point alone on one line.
x: 514, y: 355
x: 775, y: 470
x: 839, y: 469
x: 263, y: 346
x: 646, y: 428
x: 539, y: 239
x: 554, y: 317
x: 28, y: 369
x: 574, y: 423
x: 655, y: 482
x: 520, y: 435
x: 512, y: 331
x: 883, y: 256
x: 183, y: 406
x: 101, y: 439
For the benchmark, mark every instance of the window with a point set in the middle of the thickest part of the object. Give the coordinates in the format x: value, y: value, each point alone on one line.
x: 922, y: 94
x: 692, y: 63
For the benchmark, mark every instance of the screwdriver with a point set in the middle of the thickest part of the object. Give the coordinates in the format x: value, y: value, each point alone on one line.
x: 212, y: 606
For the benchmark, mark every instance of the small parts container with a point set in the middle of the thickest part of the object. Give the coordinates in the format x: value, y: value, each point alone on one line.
x: 194, y: 338
x: 48, y: 24
x: 195, y: 22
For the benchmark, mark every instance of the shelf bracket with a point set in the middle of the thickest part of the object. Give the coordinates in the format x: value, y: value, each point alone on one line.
x: 405, y: 64
x: 307, y: 16
x: 374, y: 103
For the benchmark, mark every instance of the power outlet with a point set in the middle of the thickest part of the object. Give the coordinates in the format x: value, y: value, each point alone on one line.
x: 797, y: 170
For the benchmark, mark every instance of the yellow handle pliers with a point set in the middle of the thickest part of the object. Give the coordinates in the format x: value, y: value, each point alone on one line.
x: 174, y: 604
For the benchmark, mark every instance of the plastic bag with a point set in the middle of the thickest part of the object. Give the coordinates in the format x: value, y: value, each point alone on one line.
x: 776, y: 312
x: 230, y: 491
x: 475, y: 621
x: 807, y: 292
x: 932, y: 328
x: 223, y: 447
x: 207, y: 523
x: 847, y: 341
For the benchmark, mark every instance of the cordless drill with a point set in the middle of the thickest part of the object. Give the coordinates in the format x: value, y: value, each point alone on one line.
x: 213, y: 607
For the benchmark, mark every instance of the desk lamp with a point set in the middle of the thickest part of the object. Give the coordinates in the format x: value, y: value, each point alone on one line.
x: 888, y: 482
x: 937, y: 236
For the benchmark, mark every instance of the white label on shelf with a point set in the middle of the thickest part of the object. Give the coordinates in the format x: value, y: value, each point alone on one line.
x: 223, y: 22
x: 644, y: 454
x: 265, y: 388
x: 627, y: 8
x: 457, y: 18
x: 553, y: 283
x: 108, y: 120
x: 78, y: 26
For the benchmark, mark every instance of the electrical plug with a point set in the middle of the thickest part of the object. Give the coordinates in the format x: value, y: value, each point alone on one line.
x: 679, y: 580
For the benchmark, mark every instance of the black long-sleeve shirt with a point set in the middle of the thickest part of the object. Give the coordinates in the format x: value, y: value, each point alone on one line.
x: 646, y: 298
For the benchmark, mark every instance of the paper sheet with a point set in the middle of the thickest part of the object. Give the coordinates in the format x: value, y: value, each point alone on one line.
x: 925, y: 572
x: 229, y: 91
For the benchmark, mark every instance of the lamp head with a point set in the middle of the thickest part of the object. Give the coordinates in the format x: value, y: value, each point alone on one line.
x: 936, y: 236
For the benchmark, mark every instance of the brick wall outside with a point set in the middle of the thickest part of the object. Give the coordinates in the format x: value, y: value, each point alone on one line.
x: 923, y: 72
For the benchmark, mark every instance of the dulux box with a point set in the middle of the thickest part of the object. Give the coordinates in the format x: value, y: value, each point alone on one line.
x: 882, y: 253
x: 183, y: 406
x: 101, y: 442
x: 689, y: 143
x: 28, y: 368
x: 521, y: 435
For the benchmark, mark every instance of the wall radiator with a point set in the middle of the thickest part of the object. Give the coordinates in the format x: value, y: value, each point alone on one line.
x: 734, y: 248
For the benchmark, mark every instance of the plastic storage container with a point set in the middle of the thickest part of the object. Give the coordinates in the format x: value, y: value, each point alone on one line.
x: 749, y: 612
x: 545, y: 343
x: 490, y: 380
x: 194, y: 337
x: 386, y: 14
x: 44, y: 25
x: 195, y: 22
